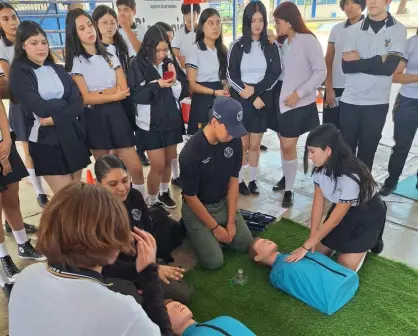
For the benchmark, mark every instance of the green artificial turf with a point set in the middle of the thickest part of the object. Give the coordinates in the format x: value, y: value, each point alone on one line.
x: 385, y: 304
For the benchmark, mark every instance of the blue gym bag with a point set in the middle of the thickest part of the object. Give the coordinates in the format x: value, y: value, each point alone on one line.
x: 317, y: 280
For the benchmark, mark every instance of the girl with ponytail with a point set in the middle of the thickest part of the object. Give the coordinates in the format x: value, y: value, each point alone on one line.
x: 355, y: 222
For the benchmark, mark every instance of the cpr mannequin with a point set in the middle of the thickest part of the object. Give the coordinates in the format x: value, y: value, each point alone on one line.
x: 183, y: 324
x: 316, y: 279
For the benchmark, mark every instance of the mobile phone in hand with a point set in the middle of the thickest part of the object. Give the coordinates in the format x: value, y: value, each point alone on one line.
x: 167, y: 75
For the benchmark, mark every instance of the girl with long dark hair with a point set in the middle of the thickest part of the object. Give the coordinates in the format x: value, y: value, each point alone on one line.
x: 112, y: 174
x: 100, y: 78
x: 254, y: 68
x: 156, y: 88
x: 18, y: 122
x: 206, y: 68
x: 12, y: 171
x: 355, y: 222
x: 47, y: 93
x: 304, y: 71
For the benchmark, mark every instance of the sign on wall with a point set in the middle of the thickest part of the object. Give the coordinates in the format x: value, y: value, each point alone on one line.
x: 148, y: 12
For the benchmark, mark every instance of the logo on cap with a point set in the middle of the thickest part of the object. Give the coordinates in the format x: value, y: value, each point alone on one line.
x: 239, y: 116
x: 228, y: 152
x: 216, y: 114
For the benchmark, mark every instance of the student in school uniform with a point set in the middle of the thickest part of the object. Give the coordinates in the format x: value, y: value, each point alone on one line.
x: 111, y: 173
x: 133, y: 34
x: 405, y: 114
x: 185, y: 38
x: 12, y: 171
x: 168, y: 30
x: 83, y: 230
x: 210, y: 163
x: 304, y: 71
x: 372, y: 50
x: 105, y: 19
x: 45, y: 90
x: 253, y: 70
x: 156, y: 90
x: 18, y: 122
x: 355, y: 222
x: 106, y: 125
x: 334, y: 83
x: 206, y: 67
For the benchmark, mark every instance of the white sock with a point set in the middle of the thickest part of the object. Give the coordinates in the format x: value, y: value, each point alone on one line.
x: 290, y: 169
x: 36, y: 181
x: 361, y: 262
x: 163, y: 188
x: 241, y: 175
x: 3, y: 250
x: 20, y: 236
x: 253, y: 173
x: 174, y: 169
x: 152, y: 199
x: 141, y: 189
x: 3, y: 278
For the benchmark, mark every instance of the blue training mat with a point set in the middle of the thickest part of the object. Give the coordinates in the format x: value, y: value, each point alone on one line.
x: 407, y: 188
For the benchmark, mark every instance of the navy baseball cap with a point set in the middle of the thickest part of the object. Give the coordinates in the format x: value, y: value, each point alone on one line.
x: 228, y: 111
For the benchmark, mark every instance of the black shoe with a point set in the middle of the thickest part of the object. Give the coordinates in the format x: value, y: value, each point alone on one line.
x: 42, y: 200
x: 7, y: 289
x: 386, y: 190
x: 166, y: 199
x: 243, y: 189
x: 10, y: 269
x: 175, y: 181
x: 378, y: 248
x: 143, y: 158
x: 29, y: 228
x: 160, y: 206
x: 252, y: 186
x: 263, y: 148
x: 280, y: 185
x: 27, y: 251
x: 287, y: 201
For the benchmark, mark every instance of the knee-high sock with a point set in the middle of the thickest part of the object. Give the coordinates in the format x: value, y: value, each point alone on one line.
x: 253, y: 173
x: 174, y: 168
x: 241, y: 175
x: 290, y: 169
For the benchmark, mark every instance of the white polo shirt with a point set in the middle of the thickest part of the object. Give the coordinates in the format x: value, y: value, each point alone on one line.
x: 336, y: 38
x: 184, y: 40
x: 44, y: 304
x: 139, y: 31
x: 205, y: 61
x: 7, y: 50
x: 254, y: 64
x: 365, y: 89
x: 411, y: 57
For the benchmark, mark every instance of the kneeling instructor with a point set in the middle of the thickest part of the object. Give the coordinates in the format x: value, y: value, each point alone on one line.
x: 210, y: 163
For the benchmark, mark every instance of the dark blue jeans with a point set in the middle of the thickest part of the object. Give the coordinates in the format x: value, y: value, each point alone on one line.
x: 405, y: 118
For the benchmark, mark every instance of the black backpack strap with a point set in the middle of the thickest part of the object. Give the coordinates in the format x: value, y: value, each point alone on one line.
x: 223, y: 332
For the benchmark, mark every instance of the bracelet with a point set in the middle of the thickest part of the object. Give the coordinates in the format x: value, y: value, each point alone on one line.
x: 215, y: 227
x: 305, y: 248
x: 213, y: 94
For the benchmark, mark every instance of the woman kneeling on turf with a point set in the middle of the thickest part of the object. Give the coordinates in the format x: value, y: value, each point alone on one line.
x: 355, y: 221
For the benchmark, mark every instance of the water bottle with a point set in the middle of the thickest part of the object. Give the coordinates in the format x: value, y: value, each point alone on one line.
x: 240, y: 278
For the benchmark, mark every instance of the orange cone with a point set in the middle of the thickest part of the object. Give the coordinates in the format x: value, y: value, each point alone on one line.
x: 89, y: 177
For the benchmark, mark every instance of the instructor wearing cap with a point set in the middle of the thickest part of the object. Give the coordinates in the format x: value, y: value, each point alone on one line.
x: 210, y: 163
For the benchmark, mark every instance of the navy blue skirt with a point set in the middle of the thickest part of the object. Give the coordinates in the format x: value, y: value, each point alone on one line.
x: 150, y: 140
x: 107, y: 127
x: 19, y: 170
x: 201, y: 105
x: 294, y: 123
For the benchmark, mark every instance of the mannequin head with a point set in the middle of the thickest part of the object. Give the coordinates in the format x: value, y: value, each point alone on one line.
x: 263, y: 251
x: 180, y: 316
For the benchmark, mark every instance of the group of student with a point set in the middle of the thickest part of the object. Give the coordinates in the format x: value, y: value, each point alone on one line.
x: 67, y: 113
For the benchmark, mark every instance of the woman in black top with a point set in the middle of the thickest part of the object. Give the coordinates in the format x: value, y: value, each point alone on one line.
x: 112, y: 174
x: 158, y: 116
x: 253, y: 70
x: 206, y: 68
x: 49, y: 96
x: 99, y: 76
